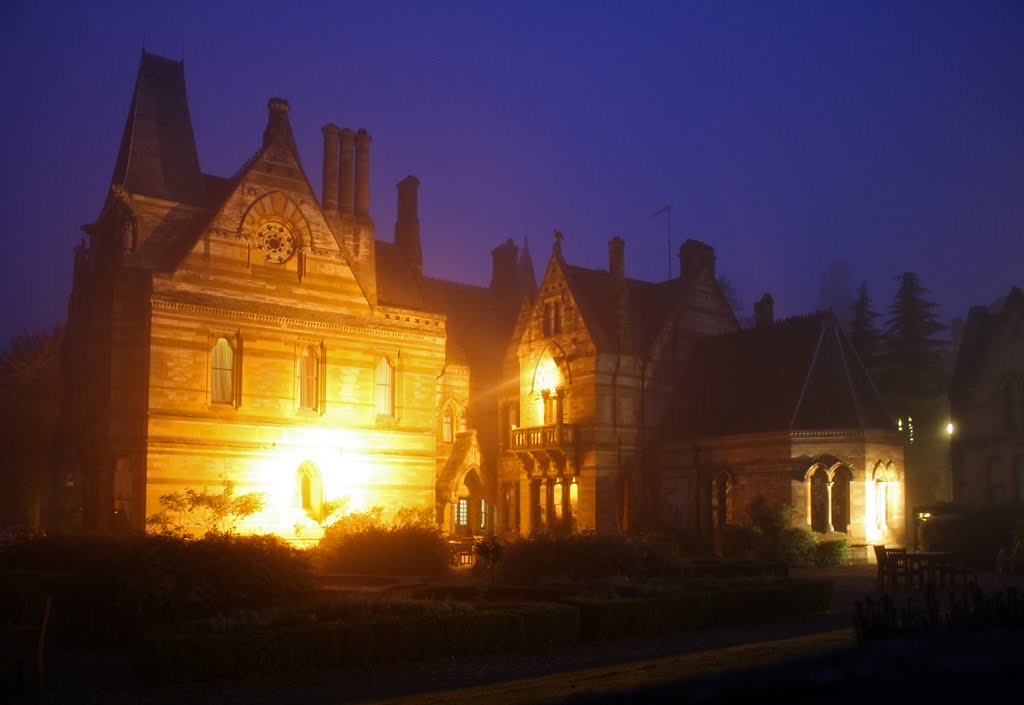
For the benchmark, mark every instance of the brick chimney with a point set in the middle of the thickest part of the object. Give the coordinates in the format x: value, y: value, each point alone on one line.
x: 696, y: 260
x: 330, y: 191
x: 346, y: 173
x: 363, y: 172
x: 617, y: 258
x: 277, y: 123
x: 505, y: 268
x: 407, y: 225
x: 764, y: 311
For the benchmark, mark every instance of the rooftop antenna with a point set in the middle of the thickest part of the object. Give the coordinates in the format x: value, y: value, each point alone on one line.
x: 667, y: 210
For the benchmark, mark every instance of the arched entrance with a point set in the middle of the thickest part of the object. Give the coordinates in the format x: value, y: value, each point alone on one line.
x: 470, y: 510
x: 309, y: 489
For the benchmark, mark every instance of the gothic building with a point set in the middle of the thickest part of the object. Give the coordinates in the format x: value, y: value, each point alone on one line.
x: 986, y: 402
x: 239, y: 328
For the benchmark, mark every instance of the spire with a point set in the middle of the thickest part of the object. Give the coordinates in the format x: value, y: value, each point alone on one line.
x: 278, y: 125
x: 158, y: 154
x: 527, y: 277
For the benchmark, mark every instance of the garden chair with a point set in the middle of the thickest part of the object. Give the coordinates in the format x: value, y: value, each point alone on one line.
x: 884, y: 575
x: 22, y: 640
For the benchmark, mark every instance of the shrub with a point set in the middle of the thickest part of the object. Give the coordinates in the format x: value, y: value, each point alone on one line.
x: 832, y: 553
x: 106, y: 588
x: 770, y: 518
x: 793, y: 546
x: 740, y: 540
x: 586, y: 556
x: 383, y: 550
x: 185, y: 512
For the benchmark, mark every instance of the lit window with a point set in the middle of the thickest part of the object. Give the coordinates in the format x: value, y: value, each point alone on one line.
x: 446, y: 424
x: 385, y: 385
x: 462, y: 512
x: 463, y: 424
x: 483, y: 513
x: 222, y: 373
x: 308, y: 377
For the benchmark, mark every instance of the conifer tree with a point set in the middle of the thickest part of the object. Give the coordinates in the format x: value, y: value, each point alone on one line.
x: 864, y: 334
x: 913, y: 353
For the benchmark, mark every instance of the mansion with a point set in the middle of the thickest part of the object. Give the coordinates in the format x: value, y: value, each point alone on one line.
x: 241, y: 328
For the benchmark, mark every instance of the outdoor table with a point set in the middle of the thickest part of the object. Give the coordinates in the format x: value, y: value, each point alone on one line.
x: 935, y: 567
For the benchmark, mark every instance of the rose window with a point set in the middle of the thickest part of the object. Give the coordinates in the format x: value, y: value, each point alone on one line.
x: 275, y: 241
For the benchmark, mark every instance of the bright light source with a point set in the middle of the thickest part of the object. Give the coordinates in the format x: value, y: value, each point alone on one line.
x: 949, y: 428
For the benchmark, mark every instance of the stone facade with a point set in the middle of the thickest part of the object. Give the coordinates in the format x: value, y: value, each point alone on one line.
x: 241, y: 329
x: 987, y: 404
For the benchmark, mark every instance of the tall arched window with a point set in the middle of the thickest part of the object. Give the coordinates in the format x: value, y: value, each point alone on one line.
x: 308, y: 379
x: 222, y: 372
x: 819, y: 500
x: 384, y: 378
x: 310, y: 489
x: 841, y: 478
x: 447, y: 424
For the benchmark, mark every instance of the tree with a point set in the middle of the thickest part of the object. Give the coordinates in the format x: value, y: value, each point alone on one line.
x: 913, y: 354
x: 214, y: 513
x: 864, y: 334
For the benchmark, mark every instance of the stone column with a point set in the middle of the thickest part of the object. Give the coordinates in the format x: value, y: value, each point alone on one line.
x: 828, y: 524
x: 346, y: 172
x: 542, y: 499
x: 362, y: 173
x: 330, y: 183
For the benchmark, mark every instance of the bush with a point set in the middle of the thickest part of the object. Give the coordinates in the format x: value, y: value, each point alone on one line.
x: 793, y: 546
x: 586, y: 556
x: 106, y: 588
x: 832, y: 553
x: 740, y: 541
x: 383, y: 550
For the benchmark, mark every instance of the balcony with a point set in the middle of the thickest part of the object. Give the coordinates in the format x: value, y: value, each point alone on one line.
x: 539, y: 446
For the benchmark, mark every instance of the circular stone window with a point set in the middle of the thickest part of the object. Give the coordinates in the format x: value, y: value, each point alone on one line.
x: 275, y: 241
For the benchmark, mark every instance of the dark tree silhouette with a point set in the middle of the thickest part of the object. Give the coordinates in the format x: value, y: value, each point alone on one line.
x: 913, y: 353
x: 864, y: 334
x: 29, y: 405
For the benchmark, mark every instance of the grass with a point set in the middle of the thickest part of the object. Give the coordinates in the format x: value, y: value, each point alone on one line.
x: 626, y: 676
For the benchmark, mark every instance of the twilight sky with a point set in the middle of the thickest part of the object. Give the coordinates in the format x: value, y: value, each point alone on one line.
x: 885, y: 135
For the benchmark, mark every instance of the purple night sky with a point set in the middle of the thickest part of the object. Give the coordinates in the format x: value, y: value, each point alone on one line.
x: 887, y: 135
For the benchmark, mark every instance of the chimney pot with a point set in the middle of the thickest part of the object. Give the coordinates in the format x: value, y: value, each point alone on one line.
x: 330, y: 183
x: 764, y: 311
x: 696, y: 259
x: 362, y: 172
x: 407, y: 224
x: 617, y: 258
x: 346, y: 172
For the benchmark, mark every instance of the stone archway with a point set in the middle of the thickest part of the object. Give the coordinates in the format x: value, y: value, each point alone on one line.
x: 470, y: 509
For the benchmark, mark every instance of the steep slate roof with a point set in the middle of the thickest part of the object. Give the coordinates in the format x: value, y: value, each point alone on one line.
x: 397, y: 283
x: 158, y: 154
x: 799, y: 374
x: 982, y: 326
x: 649, y: 306
x: 473, y: 321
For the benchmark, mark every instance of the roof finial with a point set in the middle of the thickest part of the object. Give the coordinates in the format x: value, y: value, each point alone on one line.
x: 556, y: 249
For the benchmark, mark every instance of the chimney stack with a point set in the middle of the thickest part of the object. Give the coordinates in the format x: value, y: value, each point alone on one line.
x: 407, y: 225
x: 505, y: 267
x: 277, y: 123
x: 346, y: 199
x: 696, y: 260
x: 617, y: 258
x: 764, y: 311
x: 362, y: 173
x: 330, y: 192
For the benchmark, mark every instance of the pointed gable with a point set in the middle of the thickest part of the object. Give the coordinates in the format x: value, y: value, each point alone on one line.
x: 158, y: 154
x: 797, y: 374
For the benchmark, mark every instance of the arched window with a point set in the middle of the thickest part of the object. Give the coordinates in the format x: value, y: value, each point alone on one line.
x: 309, y: 489
x: 841, y: 478
x: 1009, y: 408
x: 721, y: 500
x: 222, y: 372
x: 819, y: 500
x: 994, y: 479
x: 463, y: 424
x: 882, y: 504
x: 308, y: 379
x: 447, y: 423
x: 384, y: 378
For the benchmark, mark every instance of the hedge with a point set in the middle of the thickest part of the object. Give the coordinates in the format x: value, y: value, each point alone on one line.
x: 175, y: 656
x: 614, y: 618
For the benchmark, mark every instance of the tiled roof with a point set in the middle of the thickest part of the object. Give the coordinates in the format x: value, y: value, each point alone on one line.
x: 797, y: 374
x: 476, y: 328
x: 158, y: 150
x: 397, y: 283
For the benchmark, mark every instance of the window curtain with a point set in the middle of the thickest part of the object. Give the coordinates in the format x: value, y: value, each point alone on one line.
x: 385, y: 388
x: 223, y: 373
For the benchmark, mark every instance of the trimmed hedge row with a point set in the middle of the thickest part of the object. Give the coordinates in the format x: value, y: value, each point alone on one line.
x: 614, y: 618
x: 169, y: 656
x: 177, y: 656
